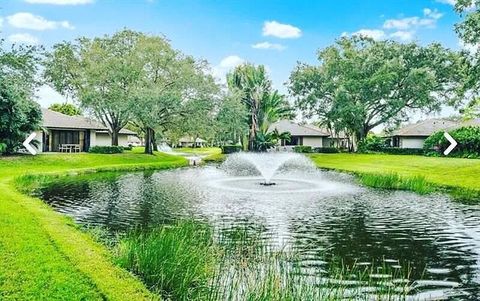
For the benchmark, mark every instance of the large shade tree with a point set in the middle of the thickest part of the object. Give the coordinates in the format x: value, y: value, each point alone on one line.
x: 100, y: 73
x: 469, y: 31
x: 19, y: 113
x: 173, y: 90
x: 361, y: 83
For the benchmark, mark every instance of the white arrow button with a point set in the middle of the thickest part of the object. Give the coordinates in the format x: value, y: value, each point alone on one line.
x: 452, y: 141
x: 27, y: 145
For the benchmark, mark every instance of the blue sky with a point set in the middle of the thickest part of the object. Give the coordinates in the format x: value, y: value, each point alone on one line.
x: 274, y: 33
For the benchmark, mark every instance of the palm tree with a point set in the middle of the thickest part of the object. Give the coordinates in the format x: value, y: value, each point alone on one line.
x: 263, y: 105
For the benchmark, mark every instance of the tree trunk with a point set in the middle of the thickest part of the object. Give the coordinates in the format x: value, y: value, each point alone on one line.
x: 148, y: 141
x: 115, y: 137
x: 154, y: 141
x: 253, y: 131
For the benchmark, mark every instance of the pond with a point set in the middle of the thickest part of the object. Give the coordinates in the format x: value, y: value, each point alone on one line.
x: 317, y: 213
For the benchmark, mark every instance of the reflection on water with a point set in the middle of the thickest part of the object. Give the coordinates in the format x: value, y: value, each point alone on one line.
x: 438, y: 238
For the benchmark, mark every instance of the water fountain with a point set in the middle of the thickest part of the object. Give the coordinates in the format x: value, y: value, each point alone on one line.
x: 266, y: 164
x: 165, y: 148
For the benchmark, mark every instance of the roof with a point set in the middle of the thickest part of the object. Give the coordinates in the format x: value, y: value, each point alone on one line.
x: 296, y: 129
x: 425, y: 128
x: 53, y: 119
x: 472, y: 122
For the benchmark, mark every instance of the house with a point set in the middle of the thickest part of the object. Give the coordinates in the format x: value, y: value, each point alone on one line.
x: 306, y: 135
x: 414, y: 135
x: 188, y: 142
x: 81, y: 132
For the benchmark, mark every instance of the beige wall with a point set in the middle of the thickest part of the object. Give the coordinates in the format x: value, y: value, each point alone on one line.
x: 104, y: 139
x: 411, y: 142
x: 313, y: 141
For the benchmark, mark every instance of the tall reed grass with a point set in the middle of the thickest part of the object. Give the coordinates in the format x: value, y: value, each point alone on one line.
x: 187, y: 262
x: 417, y: 184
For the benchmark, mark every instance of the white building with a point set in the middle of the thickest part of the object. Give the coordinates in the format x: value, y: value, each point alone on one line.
x: 306, y: 135
x: 79, y: 132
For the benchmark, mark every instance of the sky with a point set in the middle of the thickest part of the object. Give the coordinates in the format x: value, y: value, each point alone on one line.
x: 275, y: 33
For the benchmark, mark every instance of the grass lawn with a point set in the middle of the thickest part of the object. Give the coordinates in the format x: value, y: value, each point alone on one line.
x: 445, y: 172
x: 44, y: 255
x: 199, y: 150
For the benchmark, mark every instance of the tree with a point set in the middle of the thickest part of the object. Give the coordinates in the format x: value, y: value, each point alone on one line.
x: 66, y: 108
x: 264, y: 106
x: 169, y: 82
x: 469, y: 28
x: 232, y: 117
x: 100, y: 73
x: 361, y: 83
x: 19, y: 114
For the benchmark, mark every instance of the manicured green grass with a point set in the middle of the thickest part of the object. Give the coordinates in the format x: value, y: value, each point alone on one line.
x: 459, y: 176
x: 199, y: 150
x: 44, y: 255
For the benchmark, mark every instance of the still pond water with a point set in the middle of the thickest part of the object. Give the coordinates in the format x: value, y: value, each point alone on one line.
x: 316, y: 213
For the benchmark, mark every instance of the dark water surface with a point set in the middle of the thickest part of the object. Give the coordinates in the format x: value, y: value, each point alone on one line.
x: 320, y: 214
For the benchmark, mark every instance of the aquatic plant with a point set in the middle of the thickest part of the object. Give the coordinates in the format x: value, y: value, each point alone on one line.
x: 417, y: 184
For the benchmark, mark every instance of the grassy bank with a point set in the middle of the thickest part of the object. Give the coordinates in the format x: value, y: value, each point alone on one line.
x: 460, y: 177
x: 44, y: 255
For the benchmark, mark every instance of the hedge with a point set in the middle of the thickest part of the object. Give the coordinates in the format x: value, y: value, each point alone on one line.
x: 303, y: 149
x: 468, y: 139
x: 229, y: 149
x: 106, y: 149
x: 326, y: 150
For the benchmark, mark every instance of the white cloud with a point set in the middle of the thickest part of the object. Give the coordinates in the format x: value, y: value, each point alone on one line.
x: 429, y: 20
x: 23, y: 38
x: 404, y: 36
x: 60, y: 2
x: 1, y: 22
x: 268, y: 45
x: 434, y: 14
x: 451, y: 2
x: 34, y: 22
x: 226, y: 64
x: 47, y: 96
x: 375, y: 34
x: 279, y: 30
x: 469, y: 47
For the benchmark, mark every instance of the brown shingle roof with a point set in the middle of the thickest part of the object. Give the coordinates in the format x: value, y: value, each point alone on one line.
x: 57, y: 120
x: 297, y: 130
x: 425, y: 128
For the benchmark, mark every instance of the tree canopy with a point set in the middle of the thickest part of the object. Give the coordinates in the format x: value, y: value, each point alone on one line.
x: 361, y: 83
x: 66, y: 108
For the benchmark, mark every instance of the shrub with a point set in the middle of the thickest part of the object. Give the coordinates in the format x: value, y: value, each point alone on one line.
x: 403, y: 151
x: 303, y: 149
x: 230, y: 149
x: 468, y: 139
x: 371, y: 143
x: 326, y: 150
x: 106, y: 149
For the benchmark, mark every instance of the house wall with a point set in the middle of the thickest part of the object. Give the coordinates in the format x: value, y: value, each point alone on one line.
x: 104, y: 139
x: 313, y: 141
x: 411, y: 142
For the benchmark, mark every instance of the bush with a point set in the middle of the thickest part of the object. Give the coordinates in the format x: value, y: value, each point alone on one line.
x: 403, y: 151
x: 326, y: 150
x: 230, y: 149
x: 303, y: 149
x: 468, y: 139
x: 106, y: 149
x: 371, y: 143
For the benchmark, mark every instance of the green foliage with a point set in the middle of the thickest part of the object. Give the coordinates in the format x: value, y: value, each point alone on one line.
x: 468, y: 139
x: 176, y: 261
x: 229, y: 149
x: 267, y: 140
x: 371, y: 143
x: 326, y: 150
x: 403, y: 151
x: 361, y: 83
x: 303, y: 149
x: 65, y: 108
x: 106, y: 149
x: 263, y: 105
x: 417, y: 184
